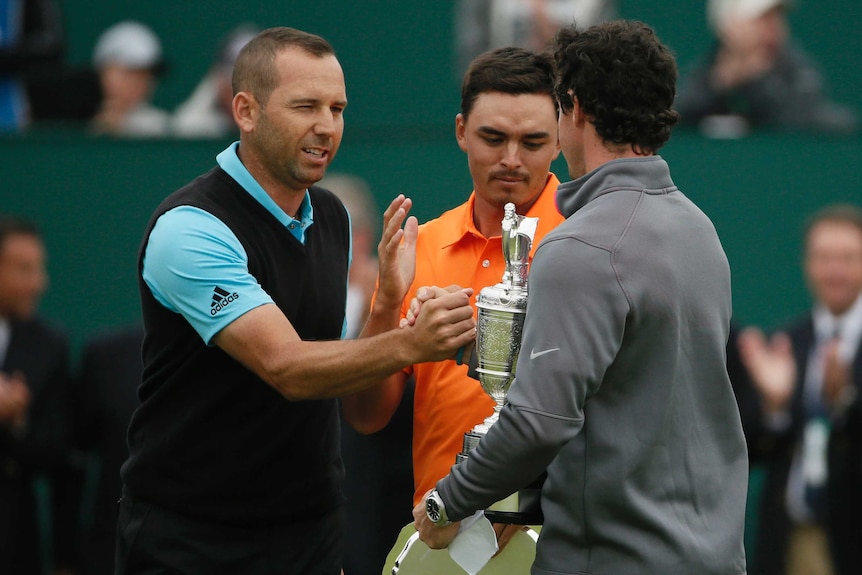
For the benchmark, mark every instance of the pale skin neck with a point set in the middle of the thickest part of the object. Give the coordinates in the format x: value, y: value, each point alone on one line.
x: 597, y: 151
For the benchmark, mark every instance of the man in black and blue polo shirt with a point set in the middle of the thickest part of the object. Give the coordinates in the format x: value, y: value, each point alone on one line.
x: 234, y: 462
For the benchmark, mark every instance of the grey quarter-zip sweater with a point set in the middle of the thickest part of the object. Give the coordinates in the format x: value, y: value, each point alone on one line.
x: 622, y: 391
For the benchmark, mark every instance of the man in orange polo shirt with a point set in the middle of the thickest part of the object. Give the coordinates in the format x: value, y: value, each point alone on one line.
x: 508, y: 129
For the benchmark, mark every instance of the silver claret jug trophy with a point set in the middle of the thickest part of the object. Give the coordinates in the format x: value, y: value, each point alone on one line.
x: 498, y: 342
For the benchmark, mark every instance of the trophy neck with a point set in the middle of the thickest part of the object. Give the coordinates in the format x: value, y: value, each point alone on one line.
x: 518, y: 276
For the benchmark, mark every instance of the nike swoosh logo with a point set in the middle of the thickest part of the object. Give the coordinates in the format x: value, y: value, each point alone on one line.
x: 534, y: 354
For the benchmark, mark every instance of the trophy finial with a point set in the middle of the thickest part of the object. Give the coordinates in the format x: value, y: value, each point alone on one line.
x: 518, y: 232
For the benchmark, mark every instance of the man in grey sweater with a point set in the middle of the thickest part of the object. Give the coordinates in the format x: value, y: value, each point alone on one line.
x: 622, y: 394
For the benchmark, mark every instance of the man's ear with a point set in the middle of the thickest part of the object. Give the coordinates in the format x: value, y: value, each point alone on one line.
x: 245, y: 111
x: 578, y: 116
x: 461, y: 131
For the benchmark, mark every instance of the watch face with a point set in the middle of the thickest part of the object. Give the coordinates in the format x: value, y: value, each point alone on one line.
x: 433, y: 510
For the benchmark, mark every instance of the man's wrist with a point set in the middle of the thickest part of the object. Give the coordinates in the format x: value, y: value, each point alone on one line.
x: 382, y: 302
x: 386, y: 309
x: 381, y: 318
x: 436, y: 509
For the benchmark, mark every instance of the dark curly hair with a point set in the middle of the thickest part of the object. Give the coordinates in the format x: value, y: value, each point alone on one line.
x: 509, y: 70
x: 624, y: 79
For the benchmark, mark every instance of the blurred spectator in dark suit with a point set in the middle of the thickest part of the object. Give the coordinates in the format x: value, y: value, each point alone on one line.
x: 34, y: 375
x: 809, y: 379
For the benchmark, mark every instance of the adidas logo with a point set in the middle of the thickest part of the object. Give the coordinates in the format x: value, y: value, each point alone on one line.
x: 221, y: 299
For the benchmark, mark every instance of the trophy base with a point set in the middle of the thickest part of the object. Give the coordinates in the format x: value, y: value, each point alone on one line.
x: 523, y: 507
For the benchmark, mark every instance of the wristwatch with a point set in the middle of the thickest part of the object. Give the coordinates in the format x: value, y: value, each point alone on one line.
x: 436, y: 509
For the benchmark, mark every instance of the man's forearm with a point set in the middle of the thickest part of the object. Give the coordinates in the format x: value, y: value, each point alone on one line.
x: 264, y: 341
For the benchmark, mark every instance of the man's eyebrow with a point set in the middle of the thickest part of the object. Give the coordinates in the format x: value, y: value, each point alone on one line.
x: 307, y: 100
x: 537, y: 135
x: 489, y: 131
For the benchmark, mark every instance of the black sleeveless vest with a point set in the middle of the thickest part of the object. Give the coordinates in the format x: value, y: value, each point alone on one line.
x: 211, y: 439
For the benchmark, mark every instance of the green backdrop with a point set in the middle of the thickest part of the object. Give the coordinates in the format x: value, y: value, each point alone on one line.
x: 92, y: 196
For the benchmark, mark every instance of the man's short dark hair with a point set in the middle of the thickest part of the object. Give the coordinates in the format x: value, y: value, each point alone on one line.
x: 254, y: 70
x: 624, y: 79
x: 508, y: 70
x: 837, y: 213
x: 16, y: 226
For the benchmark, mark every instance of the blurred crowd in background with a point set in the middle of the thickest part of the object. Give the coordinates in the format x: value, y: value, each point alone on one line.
x: 755, y: 74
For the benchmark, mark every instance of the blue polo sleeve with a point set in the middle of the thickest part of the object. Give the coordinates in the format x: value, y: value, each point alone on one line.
x: 195, y: 266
